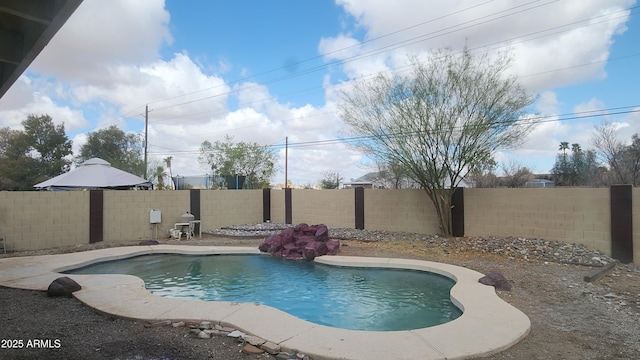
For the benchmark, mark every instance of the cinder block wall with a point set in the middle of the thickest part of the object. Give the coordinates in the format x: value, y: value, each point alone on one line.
x: 573, y: 215
x: 41, y: 220
x: 230, y: 207
x: 277, y: 206
x: 334, y: 208
x: 408, y: 210
x: 126, y: 213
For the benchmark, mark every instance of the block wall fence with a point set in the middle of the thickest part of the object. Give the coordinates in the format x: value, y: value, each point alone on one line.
x: 606, y: 219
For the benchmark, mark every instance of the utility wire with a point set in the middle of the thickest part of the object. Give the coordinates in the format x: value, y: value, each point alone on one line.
x: 374, y: 52
x: 530, y: 120
x: 370, y: 53
x: 588, y: 22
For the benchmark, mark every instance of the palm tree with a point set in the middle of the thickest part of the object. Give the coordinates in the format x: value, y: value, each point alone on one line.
x: 167, y: 161
x: 564, y: 146
x: 575, y: 148
x: 159, y: 174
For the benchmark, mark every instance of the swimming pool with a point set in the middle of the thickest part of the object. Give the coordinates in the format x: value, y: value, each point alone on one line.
x: 373, y: 299
x: 488, y: 324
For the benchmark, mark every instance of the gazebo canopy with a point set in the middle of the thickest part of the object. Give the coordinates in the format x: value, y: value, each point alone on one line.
x: 94, y: 174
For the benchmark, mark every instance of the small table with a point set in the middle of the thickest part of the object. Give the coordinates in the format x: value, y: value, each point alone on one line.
x: 181, y: 225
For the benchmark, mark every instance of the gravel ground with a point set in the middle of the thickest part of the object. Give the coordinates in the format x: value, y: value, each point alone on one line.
x: 571, y: 319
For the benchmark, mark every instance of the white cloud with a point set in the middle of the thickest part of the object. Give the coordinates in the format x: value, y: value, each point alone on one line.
x: 23, y: 100
x: 592, y: 105
x: 340, y: 47
x: 102, y: 33
x: 548, y: 103
x: 543, y: 36
x: 628, y: 125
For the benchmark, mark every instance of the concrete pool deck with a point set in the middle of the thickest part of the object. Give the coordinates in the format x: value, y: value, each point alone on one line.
x: 488, y: 324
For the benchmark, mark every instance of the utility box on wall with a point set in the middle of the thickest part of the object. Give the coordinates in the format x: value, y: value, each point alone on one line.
x: 155, y: 216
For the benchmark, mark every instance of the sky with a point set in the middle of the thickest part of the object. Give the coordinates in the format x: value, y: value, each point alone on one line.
x: 271, y: 72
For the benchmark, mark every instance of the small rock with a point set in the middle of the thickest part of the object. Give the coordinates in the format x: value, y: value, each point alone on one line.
x: 218, y: 332
x: 63, y: 286
x: 204, y: 335
x: 255, y: 341
x: 178, y: 324
x: 236, y: 334
x: 271, y: 348
x: 206, y: 325
x: 610, y: 296
x: 251, y: 350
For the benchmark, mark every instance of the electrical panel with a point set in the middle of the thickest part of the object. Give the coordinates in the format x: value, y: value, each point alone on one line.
x: 155, y: 216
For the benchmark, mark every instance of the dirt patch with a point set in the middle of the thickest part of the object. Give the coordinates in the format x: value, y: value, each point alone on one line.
x: 571, y: 319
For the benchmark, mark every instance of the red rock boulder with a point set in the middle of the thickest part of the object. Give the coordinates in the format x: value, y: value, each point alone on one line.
x: 302, y: 241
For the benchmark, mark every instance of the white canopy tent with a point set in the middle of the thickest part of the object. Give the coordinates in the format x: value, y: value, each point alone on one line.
x: 94, y: 174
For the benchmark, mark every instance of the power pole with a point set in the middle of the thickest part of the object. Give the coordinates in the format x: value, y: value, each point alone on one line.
x: 146, y: 137
x: 286, y: 161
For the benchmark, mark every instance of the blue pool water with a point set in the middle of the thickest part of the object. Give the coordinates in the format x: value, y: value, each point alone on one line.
x: 372, y: 299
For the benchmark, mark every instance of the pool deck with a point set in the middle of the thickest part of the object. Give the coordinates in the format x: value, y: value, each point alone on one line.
x: 487, y: 326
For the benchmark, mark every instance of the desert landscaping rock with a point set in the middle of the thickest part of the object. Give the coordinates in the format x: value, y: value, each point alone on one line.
x: 255, y: 341
x: 63, y: 286
x: 204, y: 335
x: 251, y: 350
x: 271, y: 348
x: 511, y: 247
x: 236, y: 334
x: 301, y: 242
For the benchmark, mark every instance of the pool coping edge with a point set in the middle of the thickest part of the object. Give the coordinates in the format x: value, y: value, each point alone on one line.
x: 488, y: 324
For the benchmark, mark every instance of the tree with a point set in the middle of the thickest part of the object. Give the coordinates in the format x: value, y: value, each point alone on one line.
x: 579, y: 169
x: 226, y: 158
x: 34, y: 155
x: 122, y: 150
x: 159, y: 174
x: 564, y: 146
x: 515, y: 175
x: 331, y: 180
x: 483, y: 175
x: 393, y: 175
x: 631, y: 160
x: 167, y: 162
x: 7, y: 136
x: 623, y: 160
x: 449, y: 115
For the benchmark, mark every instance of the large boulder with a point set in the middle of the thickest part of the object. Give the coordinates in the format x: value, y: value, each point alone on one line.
x: 302, y: 241
x: 63, y: 286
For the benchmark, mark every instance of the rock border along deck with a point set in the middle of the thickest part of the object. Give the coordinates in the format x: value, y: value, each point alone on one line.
x: 488, y: 324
